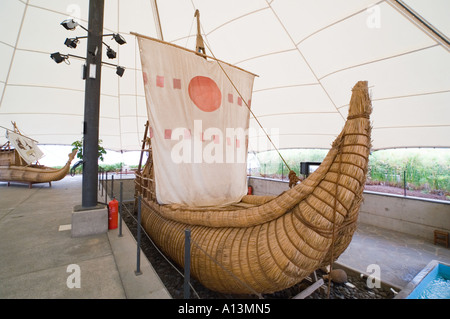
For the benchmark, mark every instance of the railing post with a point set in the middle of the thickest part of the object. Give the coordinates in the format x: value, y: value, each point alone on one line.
x: 187, y: 263
x: 138, y: 241
x: 112, y: 186
x: 103, y: 186
x: 404, y: 182
x: 106, y: 188
x: 120, y: 208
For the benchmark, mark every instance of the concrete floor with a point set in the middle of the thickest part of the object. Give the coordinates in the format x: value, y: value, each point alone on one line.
x: 37, y: 251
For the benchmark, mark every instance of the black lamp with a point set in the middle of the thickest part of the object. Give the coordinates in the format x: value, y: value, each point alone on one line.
x: 69, y: 24
x: 71, y: 42
x: 58, y: 57
x: 119, y: 39
x: 111, y: 53
x: 120, y: 70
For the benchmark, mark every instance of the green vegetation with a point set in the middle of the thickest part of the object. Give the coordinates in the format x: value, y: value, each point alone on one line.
x: 78, y: 145
x: 271, y: 164
x: 424, y: 169
x: 427, y: 170
x: 108, y: 168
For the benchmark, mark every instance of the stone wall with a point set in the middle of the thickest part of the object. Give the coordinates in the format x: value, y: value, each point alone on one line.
x: 128, y: 186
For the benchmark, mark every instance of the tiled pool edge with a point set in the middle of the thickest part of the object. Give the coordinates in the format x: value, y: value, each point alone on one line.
x: 409, y: 288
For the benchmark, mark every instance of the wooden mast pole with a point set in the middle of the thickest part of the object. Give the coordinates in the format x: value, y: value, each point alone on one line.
x: 200, y: 46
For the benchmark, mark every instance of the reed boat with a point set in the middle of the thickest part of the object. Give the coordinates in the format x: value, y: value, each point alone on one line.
x: 20, y: 163
x: 252, y: 244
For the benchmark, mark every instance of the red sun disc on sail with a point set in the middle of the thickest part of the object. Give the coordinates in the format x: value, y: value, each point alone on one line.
x: 205, y: 93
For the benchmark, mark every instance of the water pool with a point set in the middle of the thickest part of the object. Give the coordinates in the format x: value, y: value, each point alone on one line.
x: 433, y: 282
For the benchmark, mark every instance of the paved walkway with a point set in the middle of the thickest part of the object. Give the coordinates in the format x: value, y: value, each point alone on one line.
x: 400, y: 256
x: 40, y: 259
x: 38, y: 253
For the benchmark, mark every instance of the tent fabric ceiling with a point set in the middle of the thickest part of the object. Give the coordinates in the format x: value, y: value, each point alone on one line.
x: 307, y: 54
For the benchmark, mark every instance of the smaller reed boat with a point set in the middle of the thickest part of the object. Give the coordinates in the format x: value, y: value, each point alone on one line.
x: 19, y: 161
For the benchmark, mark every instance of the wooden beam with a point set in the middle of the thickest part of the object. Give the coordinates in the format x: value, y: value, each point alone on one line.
x: 308, y: 291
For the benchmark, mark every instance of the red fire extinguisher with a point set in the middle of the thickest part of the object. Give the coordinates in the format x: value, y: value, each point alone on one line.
x: 113, y: 213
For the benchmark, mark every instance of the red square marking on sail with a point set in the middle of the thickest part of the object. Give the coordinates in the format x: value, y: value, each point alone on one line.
x: 239, y: 101
x: 187, y: 134
x: 249, y: 103
x: 238, y: 143
x: 230, y: 98
x: 216, y: 139
x: 160, y: 81
x: 177, y: 84
x: 228, y: 141
x: 167, y: 134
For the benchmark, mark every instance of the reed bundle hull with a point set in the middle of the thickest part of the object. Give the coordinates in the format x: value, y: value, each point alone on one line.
x: 266, y: 244
x: 34, y: 174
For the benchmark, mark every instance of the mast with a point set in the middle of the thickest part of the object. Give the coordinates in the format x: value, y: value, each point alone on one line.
x: 200, y: 47
x: 157, y: 19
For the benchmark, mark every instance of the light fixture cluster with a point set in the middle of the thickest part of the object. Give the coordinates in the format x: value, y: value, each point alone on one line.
x: 72, y: 43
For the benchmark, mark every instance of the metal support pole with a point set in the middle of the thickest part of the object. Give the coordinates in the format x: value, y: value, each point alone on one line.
x: 138, y: 240
x: 102, y: 181
x: 112, y: 186
x: 404, y: 182
x: 106, y: 188
x: 92, y: 103
x: 187, y: 263
x: 120, y: 209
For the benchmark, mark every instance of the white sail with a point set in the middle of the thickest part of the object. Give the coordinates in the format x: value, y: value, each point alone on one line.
x: 25, y: 146
x: 198, y: 125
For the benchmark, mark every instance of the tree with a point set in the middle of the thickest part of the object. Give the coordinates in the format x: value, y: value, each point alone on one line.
x: 79, y: 146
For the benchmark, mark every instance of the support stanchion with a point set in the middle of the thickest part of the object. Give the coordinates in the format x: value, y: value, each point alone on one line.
x: 138, y: 240
x: 404, y: 183
x: 112, y: 186
x: 120, y: 209
x: 106, y: 188
x: 187, y: 263
x: 103, y: 186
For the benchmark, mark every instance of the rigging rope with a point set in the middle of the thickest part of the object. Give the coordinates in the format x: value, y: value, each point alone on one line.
x: 293, y: 179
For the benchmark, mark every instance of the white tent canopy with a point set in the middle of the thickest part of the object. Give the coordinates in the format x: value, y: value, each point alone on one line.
x: 308, y: 55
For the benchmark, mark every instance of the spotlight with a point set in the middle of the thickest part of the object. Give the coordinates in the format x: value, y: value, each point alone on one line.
x: 111, y: 53
x: 58, y: 57
x: 69, y: 24
x: 119, y: 39
x: 120, y: 70
x: 71, y: 43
